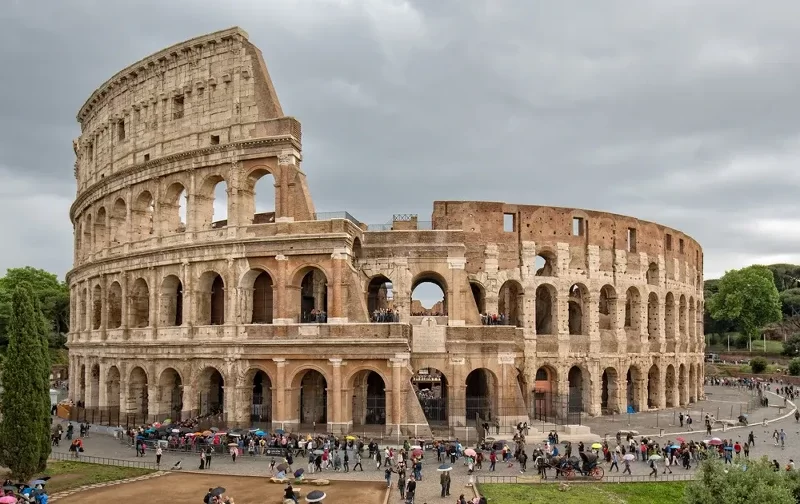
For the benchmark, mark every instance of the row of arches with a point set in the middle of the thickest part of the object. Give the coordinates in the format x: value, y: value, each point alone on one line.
x: 167, y: 211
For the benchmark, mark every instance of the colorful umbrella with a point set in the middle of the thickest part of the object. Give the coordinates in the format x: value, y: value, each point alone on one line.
x: 351, y: 438
x: 206, y: 433
x: 444, y: 468
x: 715, y: 441
x: 259, y: 433
x: 416, y: 453
x: 597, y: 446
x: 675, y: 447
x: 299, y: 472
x: 680, y: 440
x: 655, y: 457
x: 469, y: 452
x: 8, y: 499
x: 629, y: 456
x: 168, y: 421
x: 315, y: 496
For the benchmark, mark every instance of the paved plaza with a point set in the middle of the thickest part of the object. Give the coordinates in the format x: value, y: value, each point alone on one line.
x: 724, y: 398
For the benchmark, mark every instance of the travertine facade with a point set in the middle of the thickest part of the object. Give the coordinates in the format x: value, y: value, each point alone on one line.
x: 174, y: 313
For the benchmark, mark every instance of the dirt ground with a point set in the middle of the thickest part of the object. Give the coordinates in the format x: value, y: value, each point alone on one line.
x: 191, y: 488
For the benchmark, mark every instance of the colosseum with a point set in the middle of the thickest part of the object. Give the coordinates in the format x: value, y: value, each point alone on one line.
x: 189, y: 301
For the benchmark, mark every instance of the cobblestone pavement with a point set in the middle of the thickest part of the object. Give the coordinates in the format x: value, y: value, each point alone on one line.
x: 429, y: 489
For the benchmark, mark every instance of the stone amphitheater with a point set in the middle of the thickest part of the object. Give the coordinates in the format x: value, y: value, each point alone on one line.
x: 188, y: 301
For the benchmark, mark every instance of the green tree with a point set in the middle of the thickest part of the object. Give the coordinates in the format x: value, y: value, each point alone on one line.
x: 44, y: 384
x: 758, y: 365
x: 24, y: 412
x: 790, y: 301
x: 747, y: 298
x: 794, y: 367
x: 791, y: 347
x: 754, y: 483
x: 52, y: 294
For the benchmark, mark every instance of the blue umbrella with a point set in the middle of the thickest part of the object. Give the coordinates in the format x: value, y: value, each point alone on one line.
x: 280, y: 432
x: 729, y: 448
x: 315, y: 496
x: 259, y: 433
x: 675, y: 447
x: 445, y: 467
x: 299, y: 472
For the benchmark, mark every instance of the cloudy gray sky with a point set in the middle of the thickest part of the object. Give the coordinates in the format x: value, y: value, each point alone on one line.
x: 682, y: 112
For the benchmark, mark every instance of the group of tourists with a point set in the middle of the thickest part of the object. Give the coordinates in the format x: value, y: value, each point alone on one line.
x: 494, y: 319
x: 32, y: 492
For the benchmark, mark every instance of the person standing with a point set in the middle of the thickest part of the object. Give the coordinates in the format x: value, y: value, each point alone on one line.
x: 387, y: 475
x: 208, y: 458
x: 444, y: 482
x: 234, y: 451
x: 411, y: 489
x: 158, y: 455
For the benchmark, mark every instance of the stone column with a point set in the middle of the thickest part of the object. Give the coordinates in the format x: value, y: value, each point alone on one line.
x: 103, y: 392
x: 397, y: 388
x: 279, y: 408
x: 281, y: 294
x: 337, y: 313
x: 153, y: 412
x: 241, y: 415
x: 595, y: 389
x: 191, y: 206
x: 335, y: 395
x: 189, y: 402
x: 641, y: 386
x: 592, y: 309
x: 454, y: 297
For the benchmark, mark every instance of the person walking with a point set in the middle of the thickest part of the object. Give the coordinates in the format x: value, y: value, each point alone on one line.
x: 614, y: 460
x: 627, y: 464
x: 653, y: 469
x: 358, y: 462
x: 234, y: 451
x: 158, y: 456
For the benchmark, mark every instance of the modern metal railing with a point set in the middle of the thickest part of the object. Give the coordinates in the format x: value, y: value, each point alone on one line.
x: 88, y: 459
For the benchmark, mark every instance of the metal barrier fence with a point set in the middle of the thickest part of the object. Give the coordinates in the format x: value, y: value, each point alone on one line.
x: 88, y: 459
x: 535, y: 480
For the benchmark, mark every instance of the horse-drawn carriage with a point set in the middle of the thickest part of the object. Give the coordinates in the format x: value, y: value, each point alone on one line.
x: 585, y: 465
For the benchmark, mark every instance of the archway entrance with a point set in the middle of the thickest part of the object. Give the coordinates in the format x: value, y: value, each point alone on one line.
x: 170, y: 400
x: 430, y: 385
x: 632, y: 379
x: 137, y: 394
x: 262, y: 299
x: 314, y: 297
x: 429, y: 296
x: 669, y: 387
x: 653, y: 386
x: 94, y: 400
x: 609, y: 400
x: 692, y: 383
x: 369, y: 399
x: 576, y: 390
x: 212, y: 392
x: 510, y: 303
x: 313, y: 398
x: 544, y: 395
x: 261, y: 403
x: 379, y: 298
x: 81, y: 399
x: 481, y: 395
x: 113, y: 393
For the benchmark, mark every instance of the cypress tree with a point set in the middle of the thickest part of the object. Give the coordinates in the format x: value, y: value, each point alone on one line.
x: 44, y: 367
x: 21, y: 404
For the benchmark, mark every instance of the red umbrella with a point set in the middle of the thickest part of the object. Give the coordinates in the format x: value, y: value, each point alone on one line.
x: 680, y: 440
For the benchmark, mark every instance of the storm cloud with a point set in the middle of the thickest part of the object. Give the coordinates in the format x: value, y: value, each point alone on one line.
x: 680, y: 112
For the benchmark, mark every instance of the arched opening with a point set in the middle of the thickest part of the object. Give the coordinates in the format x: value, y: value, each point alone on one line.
x: 429, y: 296
x: 669, y: 321
x: 219, y: 206
x: 87, y: 234
x: 379, y: 300
x: 78, y: 231
x: 94, y: 400
x: 314, y: 297
x: 653, y: 386
x: 142, y: 216
x: 633, y: 378
x: 260, y: 208
x: 140, y: 304
x: 576, y: 390
x: 652, y: 274
x: 137, y: 393
x: 682, y: 386
x: 692, y: 383
x: 97, y: 307
x: 261, y: 403
x: 544, y: 394
x: 211, y: 299
x: 113, y: 390
x: 173, y: 209
x: 262, y: 299
x: 698, y: 324
x: 669, y: 387
x: 82, y: 309
x: 170, y: 394
x: 171, y: 302
x: 114, y: 312
x: 481, y: 395
x: 546, y: 313
x: 430, y: 385
x: 607, y: 307
x: 578, y: 297
x: 692, y: 347
x: 683, y: 314
x: 119, y: 217
x: 358, y: 253
x: 544, y: 263
x: 652, y: 317
x: 609, y: 400
x: 212, y: 392
x: 369, y: 399
x: 510, y: 303
x: 633, y: 312
x: 313, y: 402
x: 479, y: 296
x: 82, y: 387
x: 100, y: 230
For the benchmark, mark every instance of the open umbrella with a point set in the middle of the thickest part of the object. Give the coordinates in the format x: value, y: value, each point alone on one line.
x: 299, y: 472
x: 351, y: 438
x: 416, y: 447
x: 232, y: 444
x: 218, y: 491
x: 280, y: 432
x: 629, y: 456
x: 597, y: 446
x: 469, y: 452
x: 655, y: 457
x: 37, y: 482
x: 168, y: 421
x: 318, y: 452
x: 175, y: 431
x: 680, y: 439
x: 444, y: 468
x: 214, y: 429
x: 234, y: 434
x: 489, y: 439
x: 315, y: 496
x: 675, y: 447
x: 282, y: 467
x: 206, y: 433
x: 416, y: 453
x: 8, y: 499
x: 259, y: 433
x: 715, y: 441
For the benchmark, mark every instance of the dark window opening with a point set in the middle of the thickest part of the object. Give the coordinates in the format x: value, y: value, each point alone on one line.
x: 121, y: 130
x: 680, y: 245
x: 631, y: 240
x: 177, y: 107
x: 214, y: 139
x: 669, y: 242
x: 147, y: 157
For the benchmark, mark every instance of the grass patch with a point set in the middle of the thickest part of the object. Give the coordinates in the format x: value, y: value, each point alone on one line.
x: 582, y: 493
x: 67, y: 475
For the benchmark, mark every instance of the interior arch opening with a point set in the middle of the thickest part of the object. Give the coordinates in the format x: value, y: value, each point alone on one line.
x: 609, y: 400
x: 479, y: 296
x: 140, y: 304
x: 94, y: 400
x: 545, y: 391
x: 137, y: 393
x: 369, y: 399
x: 578, y: 323
x: 430, y: 386
x: 261, y: 205
x: 114, y: 313
x: 212, y: 392
x: 692, y: 383
x: 142, y: 215
x: 669, y: 387
x: 544, y: 264
x: 380, y: 300
x: 652, y: 274
x: 669, y: 321
x: 82, y: 387
x: 576, y: 390
x: 652, y: 317
x: 510, y: 303
x: 261, y: 403
x: 429, y: 296
x: 313, y: 398
x: 100, y: 230
x: 113, y: 390
x: 173, y: 208
x: 171, y: 302
x: 481, y: 395
x: 82, y: 308
x: 632, y: 378
x: 314, y: 297
x: 358, y: 253
x: 97, y: 307
x: 211, y: 299
x: 682, y: 386
x: 653, y: 386
x: 117, y: 222
x: 683, y: 314
x: 546, y: 316
x: 170, y: 390
x: 219, y: 207
x: 262, y: 299
x: 87, y: 235
x: 633, y: 312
